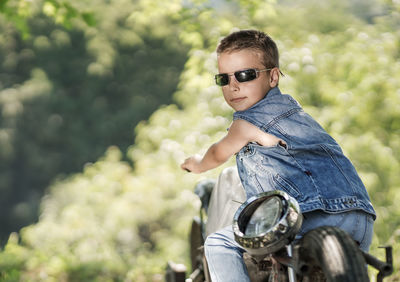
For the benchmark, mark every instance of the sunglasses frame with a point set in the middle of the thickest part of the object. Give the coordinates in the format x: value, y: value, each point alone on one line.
x: 237, y: 75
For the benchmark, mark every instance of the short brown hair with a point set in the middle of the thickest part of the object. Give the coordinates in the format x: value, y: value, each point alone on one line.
x: 251, y: 39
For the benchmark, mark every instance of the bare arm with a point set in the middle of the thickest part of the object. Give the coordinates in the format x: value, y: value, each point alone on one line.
x: 240, y: 133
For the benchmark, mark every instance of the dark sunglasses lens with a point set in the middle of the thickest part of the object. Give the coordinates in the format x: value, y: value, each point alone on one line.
x: 246, y: 75
x: 222, y: 79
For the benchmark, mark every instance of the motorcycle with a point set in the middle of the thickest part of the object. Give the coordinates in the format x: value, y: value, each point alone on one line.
x: 266, y: 226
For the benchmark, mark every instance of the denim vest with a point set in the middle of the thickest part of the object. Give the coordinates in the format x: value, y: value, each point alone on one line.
x: 310, y: 167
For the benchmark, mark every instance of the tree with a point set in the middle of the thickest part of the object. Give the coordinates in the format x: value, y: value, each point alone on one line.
x: 117, y: 222
x: 69, y: 91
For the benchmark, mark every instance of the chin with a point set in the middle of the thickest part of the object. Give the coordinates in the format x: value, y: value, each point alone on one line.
x: 239, y: 109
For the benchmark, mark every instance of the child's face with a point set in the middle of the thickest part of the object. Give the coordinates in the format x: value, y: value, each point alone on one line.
x: 242, y: 95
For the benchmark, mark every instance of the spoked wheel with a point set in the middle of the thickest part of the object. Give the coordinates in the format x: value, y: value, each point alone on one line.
x: 199, y: 263
x: 329, y: 254
x: 196, y: 242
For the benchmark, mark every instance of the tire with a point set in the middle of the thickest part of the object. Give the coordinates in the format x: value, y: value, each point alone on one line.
x: 199, y: 263
x: 329, y: 254
x: 196, y: 243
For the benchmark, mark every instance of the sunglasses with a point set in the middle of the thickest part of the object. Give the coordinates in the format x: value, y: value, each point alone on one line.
x: 222, y: 79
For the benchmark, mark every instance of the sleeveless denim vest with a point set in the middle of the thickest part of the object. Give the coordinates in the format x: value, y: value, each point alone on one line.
x: 310, y: 167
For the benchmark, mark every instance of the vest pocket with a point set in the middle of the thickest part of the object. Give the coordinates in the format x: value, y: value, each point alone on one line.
x: 287, y: 186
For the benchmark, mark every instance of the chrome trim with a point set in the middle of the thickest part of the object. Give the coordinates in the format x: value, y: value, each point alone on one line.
x: 281, y: 234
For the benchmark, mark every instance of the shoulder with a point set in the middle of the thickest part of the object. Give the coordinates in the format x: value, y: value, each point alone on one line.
x: 240, y: 127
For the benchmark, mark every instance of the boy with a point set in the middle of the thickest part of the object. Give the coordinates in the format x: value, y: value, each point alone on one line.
x: 277, y: 146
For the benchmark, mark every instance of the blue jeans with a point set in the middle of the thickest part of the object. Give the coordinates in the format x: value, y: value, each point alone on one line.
x: 225, y: 256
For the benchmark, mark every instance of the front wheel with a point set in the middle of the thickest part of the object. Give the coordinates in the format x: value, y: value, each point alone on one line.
x: 329, y: 254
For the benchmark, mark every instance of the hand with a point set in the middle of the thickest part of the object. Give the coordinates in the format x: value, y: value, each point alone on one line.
x: 192, y: 164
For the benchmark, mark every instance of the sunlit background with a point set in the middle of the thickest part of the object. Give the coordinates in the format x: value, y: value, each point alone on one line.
x: 101, y: 100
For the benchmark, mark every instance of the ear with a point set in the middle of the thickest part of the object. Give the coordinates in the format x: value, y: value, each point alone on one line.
x: 274, y: 77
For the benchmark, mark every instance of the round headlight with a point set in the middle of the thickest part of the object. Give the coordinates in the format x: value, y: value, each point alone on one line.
x: 267, y: 222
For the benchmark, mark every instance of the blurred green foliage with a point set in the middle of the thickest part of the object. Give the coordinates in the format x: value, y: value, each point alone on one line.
x: 68, y: 94
x: 125, y: 215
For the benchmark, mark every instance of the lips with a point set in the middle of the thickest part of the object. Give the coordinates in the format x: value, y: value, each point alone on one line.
x: 238, y: 99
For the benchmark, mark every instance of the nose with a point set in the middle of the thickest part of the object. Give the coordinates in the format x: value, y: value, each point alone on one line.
x: 233, y: 83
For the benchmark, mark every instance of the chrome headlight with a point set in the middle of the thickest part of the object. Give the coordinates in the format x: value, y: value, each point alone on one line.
x: 267, y: 222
